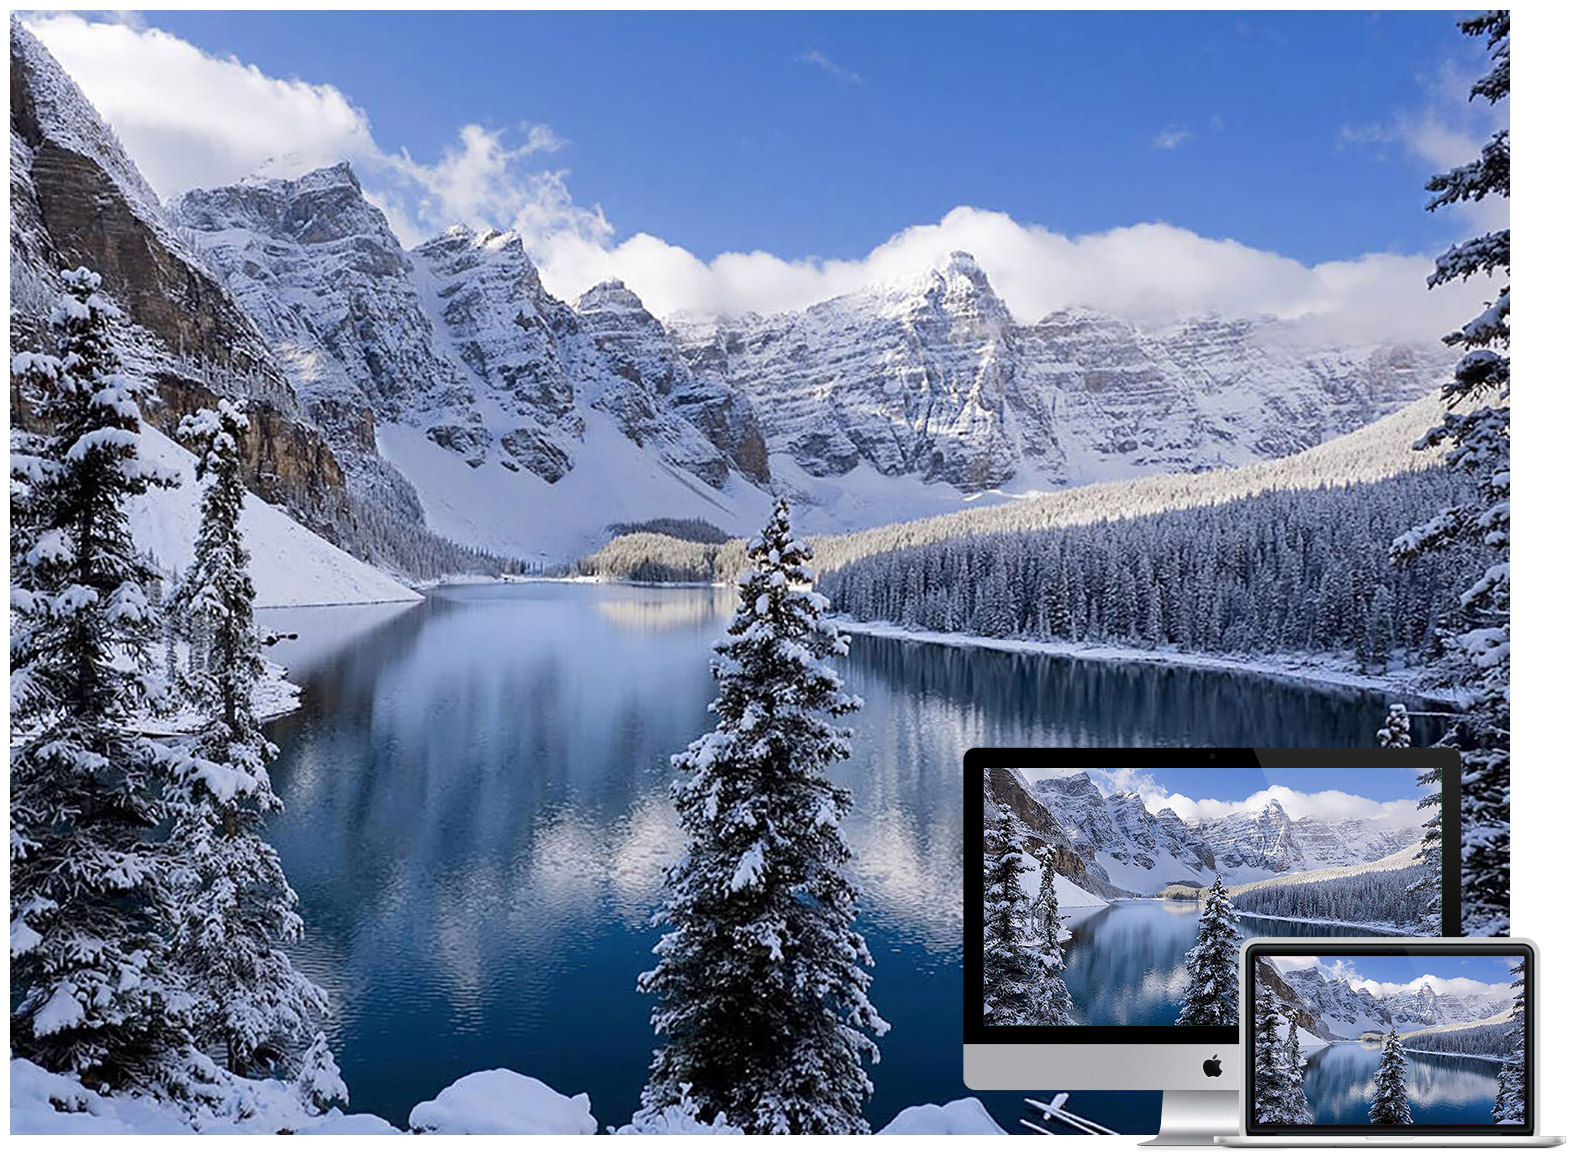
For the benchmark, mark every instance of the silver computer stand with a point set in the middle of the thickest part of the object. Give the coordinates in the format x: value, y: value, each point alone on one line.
x: 1195, y: 1118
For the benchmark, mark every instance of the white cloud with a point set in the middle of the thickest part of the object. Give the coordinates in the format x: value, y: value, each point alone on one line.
x: 1171, y: 138
x: 818, y: 59
x: 1454, y: 986
x: 1347, y: 970
x: 1329, y: 805
x: 190, y: 119
x: 1448, y: 128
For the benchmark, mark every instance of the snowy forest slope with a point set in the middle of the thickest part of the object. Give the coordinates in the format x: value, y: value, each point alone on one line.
x: 291, y: 566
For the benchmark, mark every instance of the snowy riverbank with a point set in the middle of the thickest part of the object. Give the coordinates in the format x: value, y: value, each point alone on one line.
x: 493, y: 1102
x: 1324, y: 670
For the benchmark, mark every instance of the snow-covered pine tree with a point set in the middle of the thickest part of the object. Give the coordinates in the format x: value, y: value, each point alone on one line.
x: 236, y: 908
x: 1478, y: 445
x: 1211, y: 997
x: 1271, y: 1094
x: 761, y: 981
x: 1056, y: 1002
x: 1298, y: 1112
x: 1390, y: 1106
x: 97, y: 991
x: 1011, y: 967
x: 1396, y: 732
x: 1510, y: 1105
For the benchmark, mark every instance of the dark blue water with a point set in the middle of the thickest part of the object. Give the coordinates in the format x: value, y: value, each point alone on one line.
x: 476, y: 821
x: 1441, y: 1089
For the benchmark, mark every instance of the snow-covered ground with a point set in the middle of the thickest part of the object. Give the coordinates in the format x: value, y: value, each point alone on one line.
x: 1326, y: 670
x: 1069, y: 895
x: 291, y: 566
x: 520, y: 514
x: 494, y: 1102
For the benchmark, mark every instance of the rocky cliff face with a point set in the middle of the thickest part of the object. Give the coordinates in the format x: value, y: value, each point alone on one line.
x: 1047, y: 841
x: 458, y: 338
x: 639, y: 350
x: 1271, y: 841
x: 77, y: 199
x: 934, y: 378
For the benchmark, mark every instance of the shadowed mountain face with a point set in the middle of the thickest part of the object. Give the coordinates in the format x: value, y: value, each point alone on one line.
x: 935, y: 378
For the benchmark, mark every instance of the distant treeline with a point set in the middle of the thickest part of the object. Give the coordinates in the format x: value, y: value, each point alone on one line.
x: 1300, y: 571
x: 1484, y: 1041
x: 1382, y: 899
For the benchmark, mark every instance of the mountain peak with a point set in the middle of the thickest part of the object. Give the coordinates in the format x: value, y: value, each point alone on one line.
x: 611, y: 295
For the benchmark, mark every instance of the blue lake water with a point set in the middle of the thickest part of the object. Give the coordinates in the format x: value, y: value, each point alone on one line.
x: 476, y: 821
x: 1126, y: 962
x: 1441, y: 1089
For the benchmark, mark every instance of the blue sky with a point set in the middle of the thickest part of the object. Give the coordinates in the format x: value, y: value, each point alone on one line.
x: 1155, y: 165
x: 1239, y: 784
x: 1406, y: 971
x: 738, y: 131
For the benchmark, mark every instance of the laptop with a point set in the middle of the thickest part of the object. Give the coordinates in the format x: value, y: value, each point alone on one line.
x: 1389, y: 1042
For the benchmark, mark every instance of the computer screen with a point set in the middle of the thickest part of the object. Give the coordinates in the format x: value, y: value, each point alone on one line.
x: 1115, y: 897
x: 1391, y: 1040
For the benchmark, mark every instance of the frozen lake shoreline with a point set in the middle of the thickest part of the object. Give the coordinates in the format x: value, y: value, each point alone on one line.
x: 1300, y: 670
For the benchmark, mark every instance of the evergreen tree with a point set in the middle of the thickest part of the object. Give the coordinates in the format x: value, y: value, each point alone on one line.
x: 1014, y: 980
x: 95, y: 992
x: 1478, y: 446
x: 1056, y: 1004
x: 1298, y: 1112
x: 1510, y: 1105
x: 235, y: 905
x: 1271, y: 1091
x: 761, y: 981
x: 1390, y: 1107
x: 1396, y: 733
x: 1211, y: 997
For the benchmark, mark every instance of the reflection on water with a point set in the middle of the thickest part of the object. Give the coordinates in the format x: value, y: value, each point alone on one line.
x: 477, y: 820
x: 1126, y: 962
x: 1441, y: 1089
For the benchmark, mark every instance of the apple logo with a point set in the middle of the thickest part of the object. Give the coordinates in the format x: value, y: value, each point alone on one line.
x: 1212, y: 1067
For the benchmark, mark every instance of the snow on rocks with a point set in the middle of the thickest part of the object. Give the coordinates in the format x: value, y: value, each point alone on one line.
x: 501, y: 1102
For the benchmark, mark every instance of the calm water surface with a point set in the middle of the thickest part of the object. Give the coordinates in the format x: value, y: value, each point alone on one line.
x: 476, y: 821
x: 1126, y: 961
x: 1441, y: 1089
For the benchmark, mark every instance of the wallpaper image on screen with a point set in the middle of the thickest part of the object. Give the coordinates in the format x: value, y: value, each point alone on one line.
x: 1120, y: 897
x: 1389, y: 1040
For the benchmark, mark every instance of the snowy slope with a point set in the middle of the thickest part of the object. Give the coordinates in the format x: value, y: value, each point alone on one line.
x: 520, y: 514
x: 291, y: 566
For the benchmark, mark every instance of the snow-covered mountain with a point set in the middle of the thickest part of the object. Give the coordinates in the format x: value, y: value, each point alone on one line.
x: 934, y: 378
x: 1336, y: 1010
x: 1144, y: 852
x: 444, y: 388
x: 512, y: 418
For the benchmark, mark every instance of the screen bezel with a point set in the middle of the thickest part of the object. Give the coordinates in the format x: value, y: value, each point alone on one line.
x: 977, y: 760
x: 1396, y: 947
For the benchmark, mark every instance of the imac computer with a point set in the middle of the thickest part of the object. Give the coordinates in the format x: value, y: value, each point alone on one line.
x: 1160, y: 863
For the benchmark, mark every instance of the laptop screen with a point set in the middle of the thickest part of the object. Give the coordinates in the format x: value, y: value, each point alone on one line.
x: 1346, y: 1039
